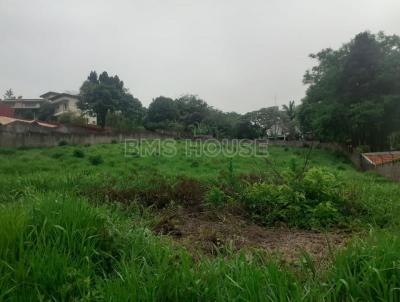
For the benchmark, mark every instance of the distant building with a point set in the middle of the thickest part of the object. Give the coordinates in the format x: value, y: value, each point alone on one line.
x: 20, y: 106
x: 6, y: 111
x: 66, y: 103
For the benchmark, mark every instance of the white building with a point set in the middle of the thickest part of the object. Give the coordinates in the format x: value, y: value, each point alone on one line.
x: 66, y: 103
x: 63, y: 102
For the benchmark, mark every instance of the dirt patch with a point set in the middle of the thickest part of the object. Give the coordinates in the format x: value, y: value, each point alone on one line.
x: 209, y: 232
x: 158, y: 193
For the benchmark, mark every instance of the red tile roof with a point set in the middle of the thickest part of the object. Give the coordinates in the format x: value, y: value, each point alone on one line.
x: 380, y: 158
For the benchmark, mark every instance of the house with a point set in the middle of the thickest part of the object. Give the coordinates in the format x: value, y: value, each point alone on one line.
x: 23, y: 107
x: 6, y: 110
x: 66, y: 103
x: 277, y: 132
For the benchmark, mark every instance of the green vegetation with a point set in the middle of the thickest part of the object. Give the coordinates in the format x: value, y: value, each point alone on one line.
x: 354, y: 93
x: 76, y: 227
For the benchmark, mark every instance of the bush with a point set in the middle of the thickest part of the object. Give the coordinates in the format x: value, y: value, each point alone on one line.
x: 317, y: 200
x: 270, y: 203
x: 78, y: 153
x: 215, y: 196
x: 7, y: 151
x: 96, y: 160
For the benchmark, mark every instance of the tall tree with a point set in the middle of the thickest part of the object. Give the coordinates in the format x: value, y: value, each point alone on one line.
x: 290, y: 110
x: 354, y: 92
x: 100, y: 95
x: 162, y: 113
x: 192, y: 111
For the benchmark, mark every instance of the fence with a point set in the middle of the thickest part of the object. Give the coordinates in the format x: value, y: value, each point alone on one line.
x: 32, y: 135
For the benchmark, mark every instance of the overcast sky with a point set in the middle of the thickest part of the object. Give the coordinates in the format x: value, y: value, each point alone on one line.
x: 236, y: 55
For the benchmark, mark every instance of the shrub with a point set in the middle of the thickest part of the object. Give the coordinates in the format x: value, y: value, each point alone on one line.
x: 317, y: 200
x: 96, y: 160
x: 195, y: 164
x: 215, y: 196
x: 270, y: 203
x: 114, y: 141
x: 321, y: 185
x: 7, y: 151
x: 78, y: 153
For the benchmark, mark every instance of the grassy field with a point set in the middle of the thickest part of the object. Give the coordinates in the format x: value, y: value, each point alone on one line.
x: 87, y: 223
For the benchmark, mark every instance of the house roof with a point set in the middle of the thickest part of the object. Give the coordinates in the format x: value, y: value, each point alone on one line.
x: 51, y: 95
x: 47, y: 94
x: 380, y: 158
x: 4, y: 120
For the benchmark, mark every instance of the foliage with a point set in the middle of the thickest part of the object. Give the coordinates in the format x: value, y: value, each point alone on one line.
x: 162, y: 113
x: 216, y: 196
x: 269, y: 121
x: 71, y: 118
x: 9, y: 94
x: 100, y: 95
x: 96, y: 160
x: 78, y: 153
x: 366, y: 270
x: 57, y: 245
x: 354, y: 93
x: 46, y: 111
x: 315, y: 200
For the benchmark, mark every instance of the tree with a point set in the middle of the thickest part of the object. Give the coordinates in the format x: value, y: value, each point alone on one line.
x: 100, y: 95
x: 245, y: 129
x: 222, y: 124
x: 46, y: 111
x: 354, y: 92
x: 9, y: 95
x: 162, y: 113
x: 269, y: 120
x: 192, y: 111
x: 290, y: 110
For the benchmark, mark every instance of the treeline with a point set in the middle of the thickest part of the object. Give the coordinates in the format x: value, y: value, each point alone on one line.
x: 353, y: 97
x: 107, y: 98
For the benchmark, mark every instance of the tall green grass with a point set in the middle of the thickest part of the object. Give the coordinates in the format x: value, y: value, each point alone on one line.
x: 55, y: 245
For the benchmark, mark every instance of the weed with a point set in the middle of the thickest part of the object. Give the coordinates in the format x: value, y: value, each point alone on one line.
x: 78, y: 153
x: 96, y: 160
x: 215, y: 196
x: 7, y: 151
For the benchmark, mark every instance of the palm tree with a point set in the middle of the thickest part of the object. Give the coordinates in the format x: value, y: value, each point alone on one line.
x: 290, y: 110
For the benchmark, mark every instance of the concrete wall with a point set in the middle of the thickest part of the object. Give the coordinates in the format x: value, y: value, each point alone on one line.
x: 389, y: 170
x: 27, y: 135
